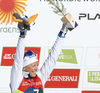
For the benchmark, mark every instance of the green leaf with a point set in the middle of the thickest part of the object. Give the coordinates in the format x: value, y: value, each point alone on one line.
x: 56, y: 11
x: 60, y: 14
x: 62, y: 6
x: 56, y: 7
x: 53, y: 8
x: 57, y: 4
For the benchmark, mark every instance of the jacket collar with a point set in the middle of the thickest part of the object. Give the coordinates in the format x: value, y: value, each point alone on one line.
x: 27, y: 75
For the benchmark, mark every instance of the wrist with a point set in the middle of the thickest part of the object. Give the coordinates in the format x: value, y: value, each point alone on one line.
x: 23, y: 32
x: 62, y: 34
x: 22, y: 36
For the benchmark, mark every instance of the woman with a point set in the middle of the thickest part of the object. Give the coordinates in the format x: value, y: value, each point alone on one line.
x: 25, y: 76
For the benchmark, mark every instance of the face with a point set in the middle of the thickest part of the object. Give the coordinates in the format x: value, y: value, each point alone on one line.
x: 32, y: 69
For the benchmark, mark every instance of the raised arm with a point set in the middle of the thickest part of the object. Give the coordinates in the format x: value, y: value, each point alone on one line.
x: 16, y: 71
x: 50, y: 62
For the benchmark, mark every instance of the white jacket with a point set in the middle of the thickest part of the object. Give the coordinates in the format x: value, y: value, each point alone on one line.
x: 43, y: 72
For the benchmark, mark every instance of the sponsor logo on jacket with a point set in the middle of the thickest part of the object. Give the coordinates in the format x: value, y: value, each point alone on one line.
x: 31, y: 83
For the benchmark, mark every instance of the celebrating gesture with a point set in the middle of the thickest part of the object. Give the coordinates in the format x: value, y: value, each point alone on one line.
x: 25, y: 75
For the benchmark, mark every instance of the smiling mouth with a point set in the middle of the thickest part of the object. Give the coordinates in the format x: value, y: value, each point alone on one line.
x: 33, y: 72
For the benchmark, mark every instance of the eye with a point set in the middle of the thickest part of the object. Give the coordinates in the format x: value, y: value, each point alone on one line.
x: 33, y: 65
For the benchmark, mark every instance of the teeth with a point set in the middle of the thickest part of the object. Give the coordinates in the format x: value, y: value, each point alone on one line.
x: 33, y: 72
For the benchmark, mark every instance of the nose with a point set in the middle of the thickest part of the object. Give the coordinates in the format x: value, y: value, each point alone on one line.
x: 36, y: 68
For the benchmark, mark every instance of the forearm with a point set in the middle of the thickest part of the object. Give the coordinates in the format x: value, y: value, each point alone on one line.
x: 56, y: 49
x: 19, y: 52
x: 20, y: 46
x: 50, y: 62
x: 16, y: 71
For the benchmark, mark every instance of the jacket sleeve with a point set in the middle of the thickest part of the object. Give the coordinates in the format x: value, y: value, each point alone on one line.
x: 16, y: 71
x: 50, y: 62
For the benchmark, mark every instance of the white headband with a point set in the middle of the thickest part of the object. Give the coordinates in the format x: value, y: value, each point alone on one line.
x: 28, y: 60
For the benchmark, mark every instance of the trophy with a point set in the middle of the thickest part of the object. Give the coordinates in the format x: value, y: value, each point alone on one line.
x: 24, y: 23
x: 67, y: 18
